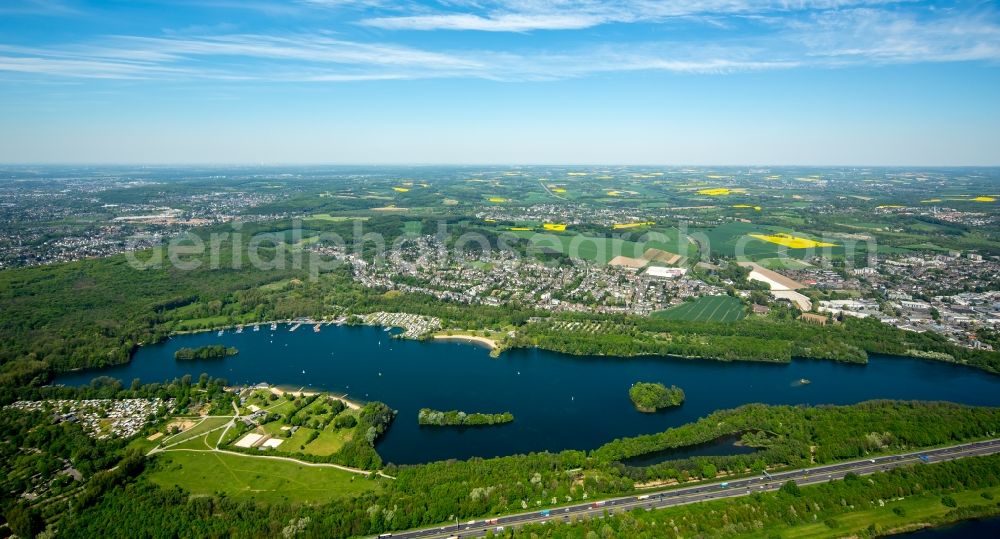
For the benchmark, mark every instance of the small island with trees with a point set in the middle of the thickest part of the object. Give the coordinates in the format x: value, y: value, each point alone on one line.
x: 649, y: 397
x: 455, y: 418
x: 212, y: 351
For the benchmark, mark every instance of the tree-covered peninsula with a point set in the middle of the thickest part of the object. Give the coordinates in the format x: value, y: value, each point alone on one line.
x: 650, y: 397
x: 455, y: 418
x: 212, y: 351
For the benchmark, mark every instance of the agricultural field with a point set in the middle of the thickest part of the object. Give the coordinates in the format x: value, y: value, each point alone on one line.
x: 758, y: 241
x: 601, y: 250
x: 706, y: 309
x: 206, y: 473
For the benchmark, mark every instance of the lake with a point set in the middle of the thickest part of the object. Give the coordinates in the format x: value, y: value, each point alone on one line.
x: 558, y: 401
x: 989, y: 527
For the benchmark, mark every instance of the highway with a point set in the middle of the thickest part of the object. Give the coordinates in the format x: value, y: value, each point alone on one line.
x: 703, y: 492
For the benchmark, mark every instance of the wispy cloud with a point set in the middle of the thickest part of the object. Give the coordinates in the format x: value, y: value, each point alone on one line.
x: 880, y: 36
x: 36, y: 7
x: 827, y: 35
x: 528, y: 15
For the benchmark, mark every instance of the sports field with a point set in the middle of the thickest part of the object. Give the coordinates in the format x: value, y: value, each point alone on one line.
x: 203, y: 473
x: 705, y: 309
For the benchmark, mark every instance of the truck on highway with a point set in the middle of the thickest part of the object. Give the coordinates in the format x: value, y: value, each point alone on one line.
x: 724, y: 485
x: 643, y: 497
x: 544, y: 512
x: 492, y: 521
x: 595, y: 505
x: 924, y: 458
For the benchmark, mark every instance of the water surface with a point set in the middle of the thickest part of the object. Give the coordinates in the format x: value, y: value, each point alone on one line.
x: 559, y: 401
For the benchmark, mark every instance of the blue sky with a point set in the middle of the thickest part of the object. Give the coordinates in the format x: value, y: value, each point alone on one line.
x: 815, y: 82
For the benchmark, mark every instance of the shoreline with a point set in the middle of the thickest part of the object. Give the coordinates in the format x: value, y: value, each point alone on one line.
x: 472, y: 339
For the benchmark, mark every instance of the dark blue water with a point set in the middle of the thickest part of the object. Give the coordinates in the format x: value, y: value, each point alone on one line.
x: 727, y: 445
x: 559, y: 402
x: 989, y: 527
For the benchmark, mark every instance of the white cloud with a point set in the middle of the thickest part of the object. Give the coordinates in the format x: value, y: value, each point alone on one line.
x: 887, y: 37
x: 528, y: 15
x: 819, y: 38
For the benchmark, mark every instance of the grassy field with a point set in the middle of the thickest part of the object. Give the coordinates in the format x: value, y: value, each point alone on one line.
x: 329, y: 441
x: 413, y: 227
x: 783, y: 263
x: 725, y: 239
x: 601, y: 250
x: 707, y: 308
x: 917, y: 509
x: 196, y: 431
x: 254, y: 478
x: 334, y: 218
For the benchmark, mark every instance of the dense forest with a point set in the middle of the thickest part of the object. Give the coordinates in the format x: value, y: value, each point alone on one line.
x: 750, y: 339
x: 435, y: 492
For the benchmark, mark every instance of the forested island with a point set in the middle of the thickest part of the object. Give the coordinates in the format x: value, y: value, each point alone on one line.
x: 649, y: 397
x: 212, y: 351
x: 455, y: 418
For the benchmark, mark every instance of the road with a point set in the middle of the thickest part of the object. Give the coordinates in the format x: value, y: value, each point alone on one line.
x: 703, y: 492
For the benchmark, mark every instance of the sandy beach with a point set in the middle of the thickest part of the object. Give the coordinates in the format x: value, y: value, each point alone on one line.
x: 469, y: 338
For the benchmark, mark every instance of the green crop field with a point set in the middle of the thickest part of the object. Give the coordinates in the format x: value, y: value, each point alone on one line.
x: 708, y: 308
x: 601, y: 250
x: 203, y: 473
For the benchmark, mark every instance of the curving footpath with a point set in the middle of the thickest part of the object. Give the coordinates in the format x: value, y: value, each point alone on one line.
x: 705, y: 492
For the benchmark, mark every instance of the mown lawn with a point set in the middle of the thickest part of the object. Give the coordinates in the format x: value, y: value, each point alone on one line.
x: 329, y: 441
x: 706, y: 308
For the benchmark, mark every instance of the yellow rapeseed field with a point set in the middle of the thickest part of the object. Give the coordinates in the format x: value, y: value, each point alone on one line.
x: 520, y: 228
x: 984, y: 199
x: 715, y: 191
x: 747, y: 206
x: 400, y: 189
x: 792, y: 242
x: 498, y: 199
x: 619, y: 226
x: 555, y: 227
